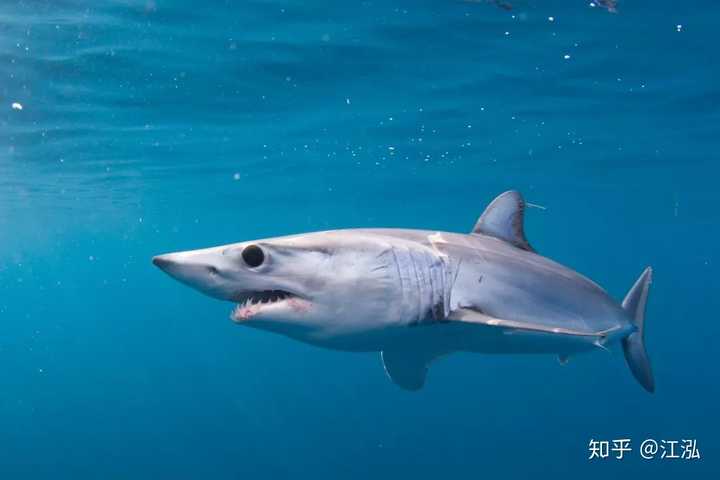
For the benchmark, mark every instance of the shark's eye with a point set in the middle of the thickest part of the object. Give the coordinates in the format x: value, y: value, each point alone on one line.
x: 253, y: 256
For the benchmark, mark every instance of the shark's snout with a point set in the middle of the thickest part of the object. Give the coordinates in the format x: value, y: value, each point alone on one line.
x: 175, y: 266
x: 199, y: 271
x: 163, y: 262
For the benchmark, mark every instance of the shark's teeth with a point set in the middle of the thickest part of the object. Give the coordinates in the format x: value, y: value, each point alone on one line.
x: 251, y: 303
x: 266, y: 296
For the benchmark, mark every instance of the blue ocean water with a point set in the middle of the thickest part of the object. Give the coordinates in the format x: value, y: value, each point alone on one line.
x: 131, y: 128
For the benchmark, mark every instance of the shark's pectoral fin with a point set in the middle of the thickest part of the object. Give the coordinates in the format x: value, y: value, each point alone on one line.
x: 504, y: 219
x: 469, y: 315
x: 407, y: 368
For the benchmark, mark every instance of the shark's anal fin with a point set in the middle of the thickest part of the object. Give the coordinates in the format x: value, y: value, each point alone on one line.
x: 406, y: 368
x: 504, y: 219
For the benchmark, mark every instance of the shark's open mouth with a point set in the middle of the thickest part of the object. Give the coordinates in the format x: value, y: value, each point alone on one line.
x: 264, y: 296
x: 251, y: 303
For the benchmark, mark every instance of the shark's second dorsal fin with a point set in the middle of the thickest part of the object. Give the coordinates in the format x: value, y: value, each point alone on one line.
x: 504, y: 219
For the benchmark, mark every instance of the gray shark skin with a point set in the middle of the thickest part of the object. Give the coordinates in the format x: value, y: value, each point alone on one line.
x: 416, y: 295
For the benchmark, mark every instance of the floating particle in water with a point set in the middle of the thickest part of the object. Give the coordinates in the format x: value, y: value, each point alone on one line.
x: 347, y: 101
x: 91, y: 258
x: 535, y: 205
x: 551, y: 19
x: 609, y: 5
x: 566, y: 56
x: 507, y: 33
x: 678, y: 27
x: 17, y: 106
x: 236, y: 176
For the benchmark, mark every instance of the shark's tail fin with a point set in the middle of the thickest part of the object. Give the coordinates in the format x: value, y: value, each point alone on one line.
x: 633, y: 345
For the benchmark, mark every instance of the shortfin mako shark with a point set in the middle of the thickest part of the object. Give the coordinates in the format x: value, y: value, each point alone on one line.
x: 416, y: 295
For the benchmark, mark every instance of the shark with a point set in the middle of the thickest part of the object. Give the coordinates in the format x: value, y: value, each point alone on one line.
x: 418, y: 295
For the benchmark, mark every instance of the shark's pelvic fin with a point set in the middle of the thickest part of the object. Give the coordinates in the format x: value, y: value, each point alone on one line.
x: 503, y: 219
x: 407, y: 367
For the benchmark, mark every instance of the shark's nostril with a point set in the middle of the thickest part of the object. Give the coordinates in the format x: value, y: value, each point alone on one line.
x: 213, y: 270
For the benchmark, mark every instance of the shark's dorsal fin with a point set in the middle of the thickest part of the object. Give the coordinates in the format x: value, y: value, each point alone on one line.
x: 503, y: 219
